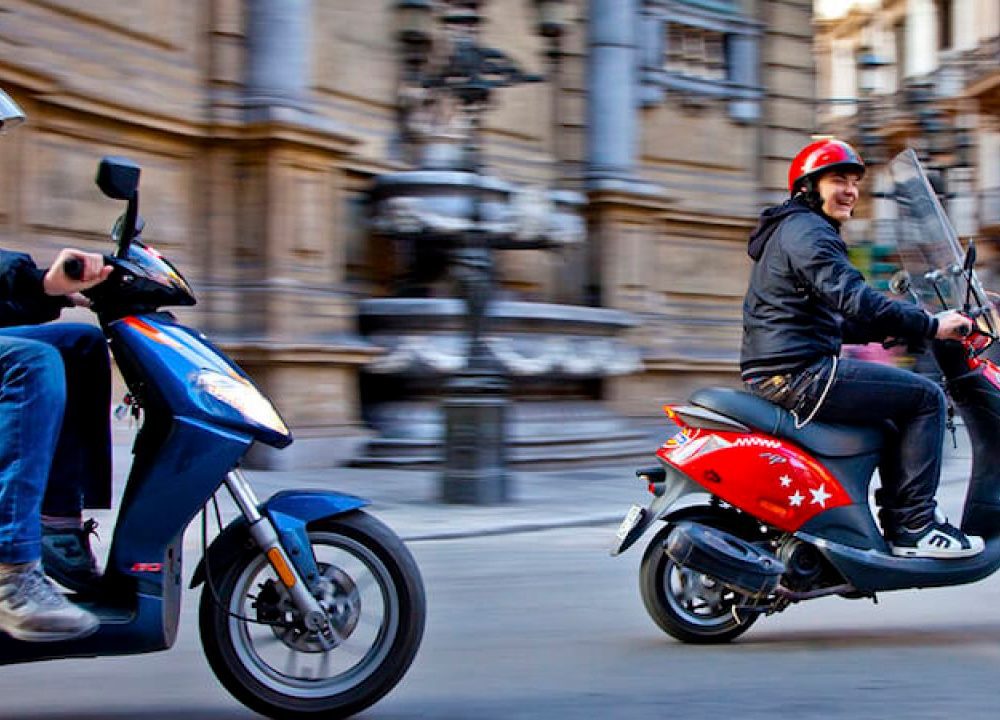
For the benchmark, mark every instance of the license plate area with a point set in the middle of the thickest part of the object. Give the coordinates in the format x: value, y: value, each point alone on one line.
x: 632, y: 518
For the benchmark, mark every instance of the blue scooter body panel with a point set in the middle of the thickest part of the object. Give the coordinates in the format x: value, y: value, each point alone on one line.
x: 182, y: 455
x: 171, y: 355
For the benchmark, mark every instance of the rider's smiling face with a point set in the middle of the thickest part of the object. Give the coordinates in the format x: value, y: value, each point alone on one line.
x: 839, y: 191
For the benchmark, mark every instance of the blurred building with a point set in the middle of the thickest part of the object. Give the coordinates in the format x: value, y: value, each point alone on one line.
x: 923, y: 74
x: 261, y: 125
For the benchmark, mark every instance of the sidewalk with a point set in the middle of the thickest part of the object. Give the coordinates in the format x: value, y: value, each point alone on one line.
x: 406, y: 500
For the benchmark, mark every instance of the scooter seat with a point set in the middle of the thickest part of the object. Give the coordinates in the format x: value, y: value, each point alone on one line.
x: 830, y: 440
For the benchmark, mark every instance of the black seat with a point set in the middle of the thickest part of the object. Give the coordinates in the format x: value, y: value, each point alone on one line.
x: 821, y: 438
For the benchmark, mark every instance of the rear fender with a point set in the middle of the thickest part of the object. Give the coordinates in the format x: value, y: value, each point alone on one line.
x: 291, y: 512
x: 676, y: 485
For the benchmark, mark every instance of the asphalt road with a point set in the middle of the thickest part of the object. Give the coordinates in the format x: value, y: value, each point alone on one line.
x: 547, y: 625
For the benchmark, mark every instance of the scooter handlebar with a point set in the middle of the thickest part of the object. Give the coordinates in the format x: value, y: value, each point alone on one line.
x: 73, y: 267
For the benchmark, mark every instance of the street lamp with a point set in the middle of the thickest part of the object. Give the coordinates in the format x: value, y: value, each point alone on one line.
x: 450, y: 91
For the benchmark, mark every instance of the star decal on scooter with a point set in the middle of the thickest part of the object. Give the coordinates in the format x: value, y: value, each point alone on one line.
x: 820, y: 496
x: 785, y: 481
x: 796, y: 499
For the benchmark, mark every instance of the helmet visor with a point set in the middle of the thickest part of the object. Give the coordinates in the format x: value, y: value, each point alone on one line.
x: 11, y: 115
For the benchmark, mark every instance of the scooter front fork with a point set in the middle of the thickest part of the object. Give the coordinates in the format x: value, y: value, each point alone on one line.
x: 262, y: 530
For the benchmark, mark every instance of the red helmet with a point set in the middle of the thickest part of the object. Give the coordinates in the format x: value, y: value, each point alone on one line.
x: 822, y: 156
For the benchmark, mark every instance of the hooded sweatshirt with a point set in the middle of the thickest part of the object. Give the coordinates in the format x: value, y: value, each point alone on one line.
x: 805, y: 299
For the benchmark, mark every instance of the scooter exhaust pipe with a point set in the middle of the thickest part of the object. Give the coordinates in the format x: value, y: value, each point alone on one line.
x: 736, y: 563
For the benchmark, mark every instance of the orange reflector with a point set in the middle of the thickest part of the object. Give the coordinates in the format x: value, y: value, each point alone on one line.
x: 281, y: 567
x: 774, y: 507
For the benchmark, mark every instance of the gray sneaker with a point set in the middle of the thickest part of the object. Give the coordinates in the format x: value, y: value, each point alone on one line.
x: 33, y: 610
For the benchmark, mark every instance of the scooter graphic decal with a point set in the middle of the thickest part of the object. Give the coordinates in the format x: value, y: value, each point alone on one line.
x: 783, y: 486
x: 680, y: 438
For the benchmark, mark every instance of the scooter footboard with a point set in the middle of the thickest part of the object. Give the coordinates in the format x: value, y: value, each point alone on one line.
x: 291, y: 511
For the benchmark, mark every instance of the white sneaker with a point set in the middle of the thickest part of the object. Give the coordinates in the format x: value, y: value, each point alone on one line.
x: 33, y: 610
x: 938, y: 539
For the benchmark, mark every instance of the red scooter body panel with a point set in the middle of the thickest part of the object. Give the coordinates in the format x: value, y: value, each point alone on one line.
x: 773, y: 480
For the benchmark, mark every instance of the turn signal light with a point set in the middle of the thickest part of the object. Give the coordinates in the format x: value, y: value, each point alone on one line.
x: 281, y: 567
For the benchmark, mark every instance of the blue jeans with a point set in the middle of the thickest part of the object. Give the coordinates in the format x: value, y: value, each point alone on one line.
x: 55, y: 440
x: 911, y: 408
x: 914, y: 409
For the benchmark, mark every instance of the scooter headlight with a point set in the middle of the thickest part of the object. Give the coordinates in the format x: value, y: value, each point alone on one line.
x: 241, y: 396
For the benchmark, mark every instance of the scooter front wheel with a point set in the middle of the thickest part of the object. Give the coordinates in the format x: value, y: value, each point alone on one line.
x: 374, y: 598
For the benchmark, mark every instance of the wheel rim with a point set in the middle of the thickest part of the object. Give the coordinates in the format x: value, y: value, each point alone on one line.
x: 363, y: 608
x: 699, y: 599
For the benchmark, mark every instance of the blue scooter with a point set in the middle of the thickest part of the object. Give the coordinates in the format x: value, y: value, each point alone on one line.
x: 309, y: 606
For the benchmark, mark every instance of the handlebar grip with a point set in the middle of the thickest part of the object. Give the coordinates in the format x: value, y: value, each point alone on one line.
x: 73, y: 267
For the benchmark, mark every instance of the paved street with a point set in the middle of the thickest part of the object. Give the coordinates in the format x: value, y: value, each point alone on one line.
x: 546, y: 625
x: 527, y: 622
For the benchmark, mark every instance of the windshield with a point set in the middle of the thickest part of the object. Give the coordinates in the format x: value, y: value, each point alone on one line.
x: 929, y: 248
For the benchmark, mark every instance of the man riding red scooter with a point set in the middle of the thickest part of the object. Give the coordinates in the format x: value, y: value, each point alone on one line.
x: 765, y: 497
x: 804, y: 301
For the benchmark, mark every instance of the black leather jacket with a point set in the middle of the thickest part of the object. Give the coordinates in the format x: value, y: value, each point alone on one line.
x: 22, y: 299
x: 806, y: 299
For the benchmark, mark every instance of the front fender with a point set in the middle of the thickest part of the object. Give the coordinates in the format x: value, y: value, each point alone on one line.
x: 290, y: 511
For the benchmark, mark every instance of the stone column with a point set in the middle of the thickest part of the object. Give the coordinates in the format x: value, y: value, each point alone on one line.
x: 612, y: 86
x: 293, y: 329
x: 921, y: 34
x: 744, y: 61
x: 278, y: 50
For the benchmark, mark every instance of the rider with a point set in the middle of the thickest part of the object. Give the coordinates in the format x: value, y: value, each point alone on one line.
x: 54, y: 437
x: 804, y: 301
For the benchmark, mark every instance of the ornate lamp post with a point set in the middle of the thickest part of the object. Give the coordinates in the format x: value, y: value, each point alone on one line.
x: 448, y: 79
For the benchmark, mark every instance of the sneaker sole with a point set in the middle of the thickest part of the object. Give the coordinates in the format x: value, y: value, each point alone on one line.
x: 36, y: 636
x: 934, y: 554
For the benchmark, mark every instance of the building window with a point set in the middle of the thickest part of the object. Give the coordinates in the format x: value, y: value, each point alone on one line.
x: 700, y: 51
x: 695, y: 53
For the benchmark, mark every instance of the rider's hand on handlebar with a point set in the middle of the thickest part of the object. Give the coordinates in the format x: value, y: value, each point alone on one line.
x: 952, y: 325
x: 57, y: 282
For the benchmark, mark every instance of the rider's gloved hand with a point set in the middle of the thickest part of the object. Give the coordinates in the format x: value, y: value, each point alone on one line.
x: 57, y: 282
x: 952, y: 325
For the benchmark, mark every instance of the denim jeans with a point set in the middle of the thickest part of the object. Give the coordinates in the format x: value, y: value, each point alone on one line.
x: 911, y: 407
x: 51, y: 376
x: 32, y: 398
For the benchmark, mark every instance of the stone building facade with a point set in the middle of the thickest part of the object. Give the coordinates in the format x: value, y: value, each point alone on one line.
x: 924, y: 74
x: 261, y: 124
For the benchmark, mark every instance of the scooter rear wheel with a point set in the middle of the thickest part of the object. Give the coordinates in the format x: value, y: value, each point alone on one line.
x: 689, y: 606
x: 373, y: 596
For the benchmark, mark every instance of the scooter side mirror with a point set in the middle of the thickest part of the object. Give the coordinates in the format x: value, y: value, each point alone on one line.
x: 118, y: 178
x: 900, y: 283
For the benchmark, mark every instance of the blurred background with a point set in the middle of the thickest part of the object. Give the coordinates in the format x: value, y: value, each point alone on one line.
x: 337, y: 179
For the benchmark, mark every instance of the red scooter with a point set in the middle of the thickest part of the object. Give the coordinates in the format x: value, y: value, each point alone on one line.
x: 758, y: 514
